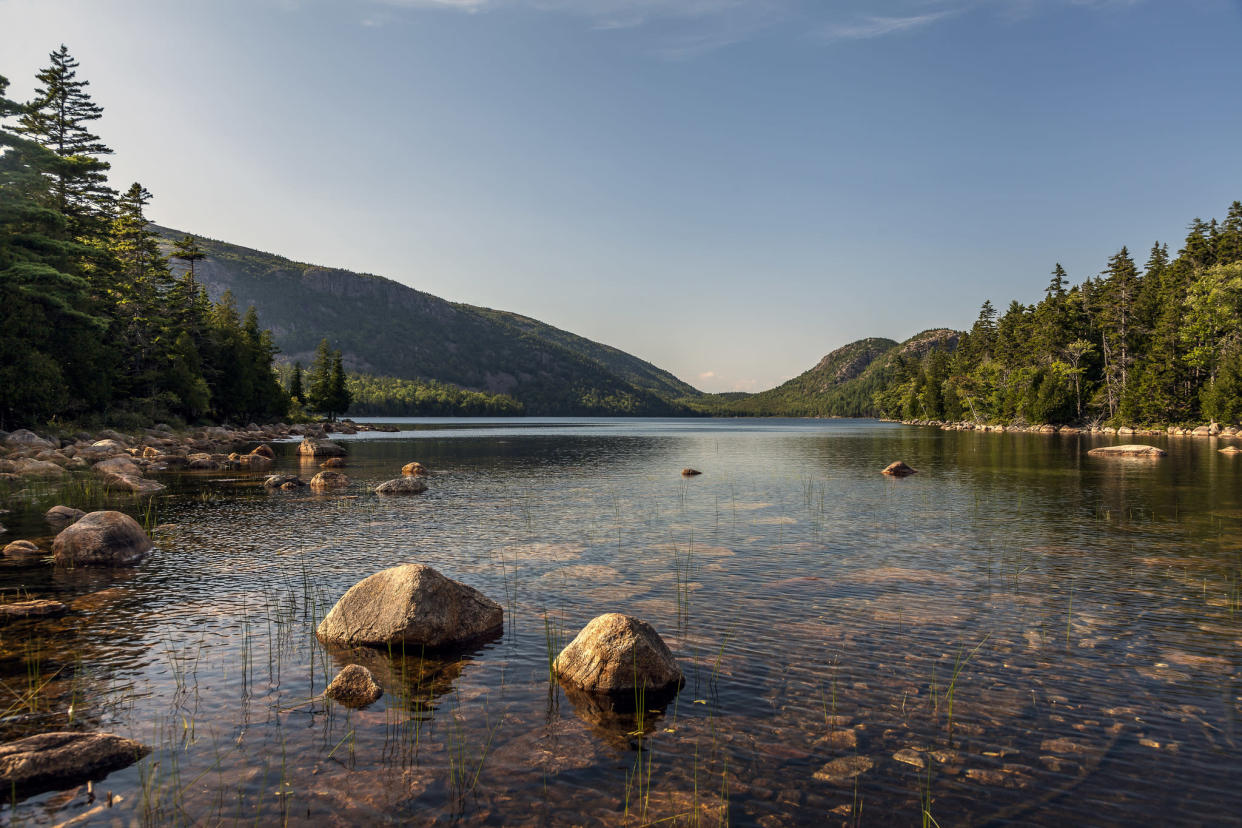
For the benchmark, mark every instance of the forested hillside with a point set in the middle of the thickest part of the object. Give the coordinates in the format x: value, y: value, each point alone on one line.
x: 384, y: 328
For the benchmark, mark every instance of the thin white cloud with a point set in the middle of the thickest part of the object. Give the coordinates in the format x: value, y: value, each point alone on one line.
x: 706, y: 375
x: 868, y: 27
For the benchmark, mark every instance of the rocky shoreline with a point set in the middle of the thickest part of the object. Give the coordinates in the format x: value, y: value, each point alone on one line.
x: 123, y: 460
x: 1209, y: 430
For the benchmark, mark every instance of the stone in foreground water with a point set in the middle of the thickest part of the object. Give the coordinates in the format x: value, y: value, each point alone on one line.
x: 102, y: 539
x: 618, y: 653
x: 354, y: 687
x: 413, y: 605
x: 50, y: 761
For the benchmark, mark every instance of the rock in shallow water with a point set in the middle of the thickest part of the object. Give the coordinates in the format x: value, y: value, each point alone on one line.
x: 402, y: 485
x: 31, y: 609
x: 51, y: 761
x: 414, y: 469
x: 354, y: 687
x: 898, y: 469
x: 102, y: 539
x: 312, y: 447
x: 412, y: 605
x: 329, y: 480
x: 62, y: 516
x: 617, y: 653
x: 1129, y: 450
x: 844, y: 769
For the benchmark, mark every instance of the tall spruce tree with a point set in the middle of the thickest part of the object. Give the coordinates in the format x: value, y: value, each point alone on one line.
x: 58, y: 117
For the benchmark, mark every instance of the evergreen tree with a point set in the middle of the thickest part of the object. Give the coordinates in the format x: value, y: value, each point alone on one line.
x: 295, y: 383
x: 187, y: 250
x: 58, y: 118
x: 339, y: 388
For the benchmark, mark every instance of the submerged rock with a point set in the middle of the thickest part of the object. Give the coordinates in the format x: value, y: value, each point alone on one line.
x: 618, y: 653
x: 329, y: 480
x: 1231, y: 450
x: 402, y: 485
x: 21, y: 549
x: 313, y: 447
x: 51, y: 761
x: 412, y: 605
x: 844, y: 769
x: 102, y: 539
x: 354, y: 687
x: 898, y: 469
x: 39, y: 608
x: 333, y: 463
x: 62, y: 516
x: 1128, y: 450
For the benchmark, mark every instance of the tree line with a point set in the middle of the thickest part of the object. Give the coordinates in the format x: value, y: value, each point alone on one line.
x: 1152, y: 345
x: 93, y: 325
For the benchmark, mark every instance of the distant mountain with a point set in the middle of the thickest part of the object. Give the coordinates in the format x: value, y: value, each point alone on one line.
x: 386, y: 328
x: 842, y: 384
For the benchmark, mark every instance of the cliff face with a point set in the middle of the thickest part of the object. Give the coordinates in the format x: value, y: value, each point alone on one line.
x: 386, y: 328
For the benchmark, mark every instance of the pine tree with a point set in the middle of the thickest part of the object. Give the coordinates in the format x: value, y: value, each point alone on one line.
x: 1117, y: 296
x: 187, y: 250
x: 295, y: 383
x: 58, y: 118
x: 319, y: 379
x: 1229, y: 245
x: 339, y: 388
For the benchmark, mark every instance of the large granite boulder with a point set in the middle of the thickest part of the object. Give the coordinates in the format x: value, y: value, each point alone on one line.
x: 1128, y: 450
x: 402, y: 485
x: 52, y: 761
x: 411, y: 605
x: 102, y: 539
x: 354, y: 687
x: 313, y: 447
x: 618, y: 653
x: 59, y: 517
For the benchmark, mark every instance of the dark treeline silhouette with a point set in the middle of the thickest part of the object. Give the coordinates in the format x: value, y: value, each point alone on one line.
x: 93, y: 326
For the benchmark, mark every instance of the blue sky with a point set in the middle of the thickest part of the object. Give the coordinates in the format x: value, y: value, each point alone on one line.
x: 728, y: 188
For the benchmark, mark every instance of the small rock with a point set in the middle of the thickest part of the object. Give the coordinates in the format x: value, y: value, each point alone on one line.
x: 690, y: 472
x: 898, y: 469
x: 312, y: 447
x: 61, y: 517
x: 52, y: 761
x: 333, y: 463
x: 909, y: 756
x: 21, y: 549
x: 264, y: 450
x: 617, y: 653
x: 414, y: 469
x: 354, y: 687
x: 838, y: 740
x: 329, y: 480
x: 1128, y: 450
x: 1231, y: 450
x: 284, y: 481
x: 31, y: 609
x: 118, y: 465
x: 402, y: 485
x: 133, y: 483
x: 844, y: 769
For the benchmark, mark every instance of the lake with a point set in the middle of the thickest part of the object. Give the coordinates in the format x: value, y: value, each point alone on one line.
x: 1019, y: 633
